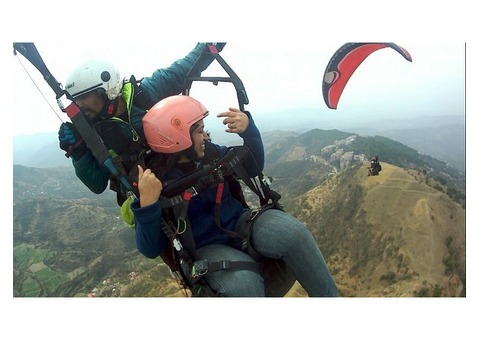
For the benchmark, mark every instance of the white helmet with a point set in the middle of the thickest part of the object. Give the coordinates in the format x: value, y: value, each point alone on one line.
x: 92, y: 75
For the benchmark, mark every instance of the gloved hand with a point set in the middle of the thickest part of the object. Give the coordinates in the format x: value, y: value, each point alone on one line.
x: 71, y: 141
x: 219, y: 45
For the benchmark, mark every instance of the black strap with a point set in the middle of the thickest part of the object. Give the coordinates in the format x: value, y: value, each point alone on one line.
x: 234, y: 265
x: 98, y: 149
x: 210, y: 173
x: 255, y: 180
x: 141, y: 98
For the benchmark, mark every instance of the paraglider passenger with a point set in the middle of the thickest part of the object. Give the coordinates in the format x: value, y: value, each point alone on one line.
x: 174, y: 128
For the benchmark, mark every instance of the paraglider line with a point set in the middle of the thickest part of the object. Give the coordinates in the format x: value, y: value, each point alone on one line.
x: 34, y: 83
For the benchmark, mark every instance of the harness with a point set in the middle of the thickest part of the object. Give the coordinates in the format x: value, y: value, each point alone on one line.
x: 123, y: 141
x: 237, y: 164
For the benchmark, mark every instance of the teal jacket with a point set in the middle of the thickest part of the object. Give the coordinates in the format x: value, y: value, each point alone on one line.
x: 163, y: 83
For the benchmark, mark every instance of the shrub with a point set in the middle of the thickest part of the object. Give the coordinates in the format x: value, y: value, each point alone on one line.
x: 390, y: 276
x: 437, y: 291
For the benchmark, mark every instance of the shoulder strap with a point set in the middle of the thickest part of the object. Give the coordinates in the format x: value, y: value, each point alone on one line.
x: 234, y: 162
x: 213, y: 172
x: 140, y: 97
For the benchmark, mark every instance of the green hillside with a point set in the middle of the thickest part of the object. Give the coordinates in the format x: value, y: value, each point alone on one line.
x: 324, y: 153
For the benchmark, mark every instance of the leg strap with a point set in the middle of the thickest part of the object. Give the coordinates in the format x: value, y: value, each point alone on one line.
x: 202, y: 267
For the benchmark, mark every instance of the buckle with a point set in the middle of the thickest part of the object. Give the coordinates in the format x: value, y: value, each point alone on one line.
x: 189, y: 193
x: 254, y: 213
x: 218, y: 174
x: 199, y: 268
x: 267, y: 181
x: 176, y: 244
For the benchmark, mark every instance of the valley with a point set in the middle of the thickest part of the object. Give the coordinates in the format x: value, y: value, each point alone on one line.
x: 401, y: 233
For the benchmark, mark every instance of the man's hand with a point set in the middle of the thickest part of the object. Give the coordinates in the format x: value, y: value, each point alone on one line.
x: 71, y: 141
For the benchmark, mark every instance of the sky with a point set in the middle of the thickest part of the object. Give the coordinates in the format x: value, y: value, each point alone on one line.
x: 277, y: 77
x: 280, y: 50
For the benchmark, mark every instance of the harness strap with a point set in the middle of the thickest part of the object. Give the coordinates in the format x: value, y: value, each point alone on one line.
x: 196, y: 183
x: 98, y: 149
x: 186, y: 196
x: 182, y: 259
x: 218, y: 200
x: 213, y: 172
x: 191, y: 270
x: 141, y: 98
x: 244, y: 230
x: 202, y: 267
x: 259, y: 185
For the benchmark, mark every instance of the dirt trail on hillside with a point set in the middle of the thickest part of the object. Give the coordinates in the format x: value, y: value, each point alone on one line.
x: 399, y: 203
x: 406, y: 183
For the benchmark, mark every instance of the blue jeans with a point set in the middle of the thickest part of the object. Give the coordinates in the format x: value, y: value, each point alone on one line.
x: 277, y: 235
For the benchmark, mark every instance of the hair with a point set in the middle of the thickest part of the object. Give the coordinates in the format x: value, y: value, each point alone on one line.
x: 161, y: 163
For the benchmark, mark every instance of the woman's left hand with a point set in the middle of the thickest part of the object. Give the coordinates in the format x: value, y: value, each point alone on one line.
x: 235, y: 120
x: 149, y: 187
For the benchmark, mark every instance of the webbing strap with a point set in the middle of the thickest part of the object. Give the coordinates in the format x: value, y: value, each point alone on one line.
x: 96, y: 146
x: 202, y: 267
x: 218, y: 223
x: 211, y: 173
x: 234, y: 265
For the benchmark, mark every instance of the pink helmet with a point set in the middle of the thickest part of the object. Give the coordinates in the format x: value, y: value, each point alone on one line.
x: 167, y: 124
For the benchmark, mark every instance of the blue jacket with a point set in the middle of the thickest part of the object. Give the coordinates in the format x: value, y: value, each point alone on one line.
x: 163, y: 83
x: 149, y: 237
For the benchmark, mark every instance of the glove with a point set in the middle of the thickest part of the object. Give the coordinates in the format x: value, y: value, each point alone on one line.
x: 218, y: 45
x: 71, y: 141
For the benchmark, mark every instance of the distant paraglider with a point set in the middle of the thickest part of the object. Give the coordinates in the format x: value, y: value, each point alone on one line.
x: 344, y: 63
x: 375, y: 167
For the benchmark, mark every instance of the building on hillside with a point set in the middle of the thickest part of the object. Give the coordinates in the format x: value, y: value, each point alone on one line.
x: 336, y: 155
x: 360, y: 158
x: 328, y: 149
x: 346, y: 159
x: 350, y: 139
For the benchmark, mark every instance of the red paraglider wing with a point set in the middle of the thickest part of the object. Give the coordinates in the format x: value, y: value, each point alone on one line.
x: 344, y: 63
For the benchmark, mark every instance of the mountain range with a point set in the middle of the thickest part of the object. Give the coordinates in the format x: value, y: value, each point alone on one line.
x: 442, y: 137
x: 401, y: 233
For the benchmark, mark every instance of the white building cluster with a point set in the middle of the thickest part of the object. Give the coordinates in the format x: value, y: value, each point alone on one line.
x: 335, y: 152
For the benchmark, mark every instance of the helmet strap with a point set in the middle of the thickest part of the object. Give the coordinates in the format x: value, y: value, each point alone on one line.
x: 109, y: 108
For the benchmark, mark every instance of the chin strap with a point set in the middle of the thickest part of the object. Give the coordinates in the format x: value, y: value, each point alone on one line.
x: 109, y: 108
